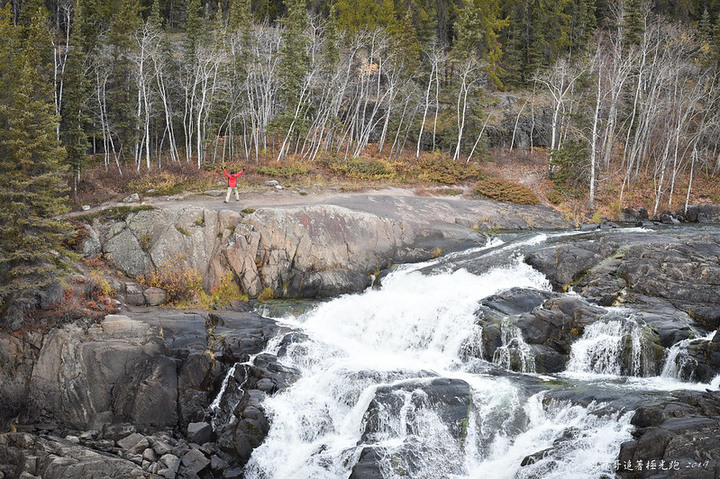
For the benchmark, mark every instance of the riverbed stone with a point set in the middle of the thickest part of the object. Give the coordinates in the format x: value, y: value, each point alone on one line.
x: 199, y: 432
x: 155, y: 296
x: 682, y: 433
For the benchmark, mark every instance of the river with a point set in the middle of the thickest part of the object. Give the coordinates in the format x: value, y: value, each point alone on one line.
x: 367, y: 401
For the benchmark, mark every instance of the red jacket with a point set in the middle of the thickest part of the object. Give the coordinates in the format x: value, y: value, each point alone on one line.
x: 232, y: 179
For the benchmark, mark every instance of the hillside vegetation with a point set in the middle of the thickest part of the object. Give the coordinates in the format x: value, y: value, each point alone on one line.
x: 590, y: 105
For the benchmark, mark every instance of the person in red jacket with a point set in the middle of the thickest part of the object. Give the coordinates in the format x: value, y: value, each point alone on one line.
x: 232, y: 183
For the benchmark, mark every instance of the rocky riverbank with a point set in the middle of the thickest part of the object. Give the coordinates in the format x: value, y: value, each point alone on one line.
x: 303, y: 250
x: 154, y: 392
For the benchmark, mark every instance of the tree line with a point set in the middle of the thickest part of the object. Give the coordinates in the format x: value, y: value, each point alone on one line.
x: 145, y: 84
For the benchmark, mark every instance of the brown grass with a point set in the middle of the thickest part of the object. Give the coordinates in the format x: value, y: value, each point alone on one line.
x: 427, y: 175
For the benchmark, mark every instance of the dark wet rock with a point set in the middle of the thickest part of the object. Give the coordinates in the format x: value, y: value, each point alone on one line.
x: 450, y: 398
x: 491, y: 338
x: 704, y: 360
x: 200, y: 432
x: 564, y: 264
x: 668, y: 323
x: 195, y: 382
x: 517, y: 300
x: 289, y: 342
x: 240, y: 422
x: 552, y: 328
x: 147, y: 394
x: 559, y: 321
x: 125, y: 380
x: 239, y: 335
x: 368, y: 465
x: 682, y: 433
x: 632, y: 215
x: 193, y: 462
x: 682, y: 269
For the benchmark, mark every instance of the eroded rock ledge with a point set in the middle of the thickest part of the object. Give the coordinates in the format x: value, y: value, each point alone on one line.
x: 305, y: 251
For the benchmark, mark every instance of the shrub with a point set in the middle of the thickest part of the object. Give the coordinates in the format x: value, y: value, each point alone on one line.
x: 181, y: 282
x: 222, y: 294
x: 569, y: 169
x: 266, y: 294
x: 170, y: 183
x: 440, y: 168
x: 499, y: 189
x: 360, y: 169
x: 99, y: 287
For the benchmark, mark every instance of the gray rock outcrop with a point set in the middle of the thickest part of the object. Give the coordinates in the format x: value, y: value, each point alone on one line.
x: 679, y: 436
x: 304, y: 251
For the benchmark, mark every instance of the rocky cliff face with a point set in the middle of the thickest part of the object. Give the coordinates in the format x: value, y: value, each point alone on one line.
x: 303, y: 251
x: 131, y: 397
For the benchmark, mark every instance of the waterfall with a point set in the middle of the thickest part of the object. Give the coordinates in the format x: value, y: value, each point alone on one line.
x: 371, y: 370
x: 514, y: 354
x: 613, y: 346
x: 679, y: 364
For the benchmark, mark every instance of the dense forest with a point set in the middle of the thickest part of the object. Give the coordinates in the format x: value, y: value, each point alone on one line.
x: 629, y: 85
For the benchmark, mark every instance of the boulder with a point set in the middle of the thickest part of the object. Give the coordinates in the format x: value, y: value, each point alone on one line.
x: 517, y: 300
x: 239, y: 335
x: 27, y: 455
x: 155, y: 296
x: 193, y: 462
x: 115, y: 370
x: 199, y: 432
x: 680, y: 434
x: 704, y: 363
x: 147, y: 394
x: 239, y: 419
x: 134, y: 295
x: 400, y: 412
x: 134, y: 443
x: 552, y: 328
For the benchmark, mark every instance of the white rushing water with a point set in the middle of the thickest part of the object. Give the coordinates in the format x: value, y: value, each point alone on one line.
x: 678, y: 361
x: 614, y: 346
x: 364, y: 382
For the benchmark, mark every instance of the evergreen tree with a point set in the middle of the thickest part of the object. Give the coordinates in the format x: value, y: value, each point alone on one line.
x: 241, y: 22
x: 294, y: 61
x: 75, y: 121
x: 193, y: 29
x: 633, y: 23
x: 477, y: 31
x: 582, y: 24
x: 31, y: 185
x: 332, y: 36
x: 122, y: 94
x: 355, y: 16
x: 406, y: 46
x: 540, y: 31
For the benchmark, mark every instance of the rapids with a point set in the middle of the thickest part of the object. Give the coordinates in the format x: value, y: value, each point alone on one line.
x: 371, y: 361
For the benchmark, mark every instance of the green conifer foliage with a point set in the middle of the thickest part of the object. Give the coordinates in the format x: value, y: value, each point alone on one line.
x: 477, y: 31
x: 75, y: 122
x: 122, y: 92
x: 31, y: 185
x: 294, y: 61
x: 633, y: 23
